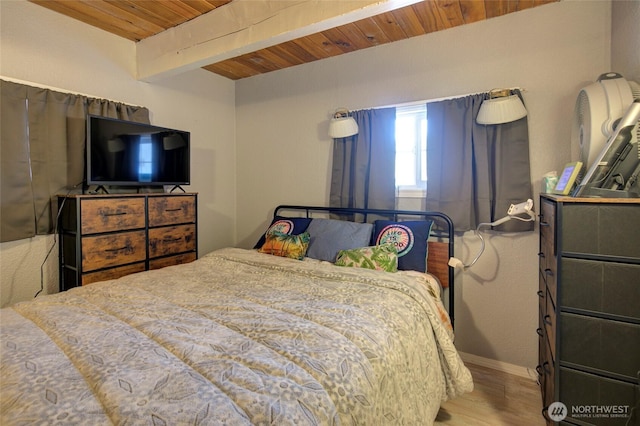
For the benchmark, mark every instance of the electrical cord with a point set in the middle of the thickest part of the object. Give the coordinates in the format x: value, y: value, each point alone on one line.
x: 55, y: 234
x: 479, y: 235
x: 457, y: 263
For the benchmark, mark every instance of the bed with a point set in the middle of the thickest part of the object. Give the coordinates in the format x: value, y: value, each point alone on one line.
x: 250, y: 336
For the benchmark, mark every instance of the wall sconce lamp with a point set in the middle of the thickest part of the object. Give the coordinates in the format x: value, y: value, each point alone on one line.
x: 342, y: 125
x: 501, y: 107
x: 514, y: 212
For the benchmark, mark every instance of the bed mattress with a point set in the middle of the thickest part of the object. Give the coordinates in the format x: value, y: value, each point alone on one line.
x: 236, y: 337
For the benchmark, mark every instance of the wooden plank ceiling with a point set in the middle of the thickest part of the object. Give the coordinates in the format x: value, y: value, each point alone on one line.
x: 139, y: 19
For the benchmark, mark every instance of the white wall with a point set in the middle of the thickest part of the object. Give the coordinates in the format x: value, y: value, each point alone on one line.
x: 43, y: 48
x: 625, y: 39
x: 284, y: 153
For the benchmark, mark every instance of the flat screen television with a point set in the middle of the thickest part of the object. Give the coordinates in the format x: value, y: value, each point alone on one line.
x: 125, y: 153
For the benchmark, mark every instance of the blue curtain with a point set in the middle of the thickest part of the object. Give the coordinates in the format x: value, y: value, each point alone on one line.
x: 475, y: 172
x: 363, y: 171
x: 43, y: 152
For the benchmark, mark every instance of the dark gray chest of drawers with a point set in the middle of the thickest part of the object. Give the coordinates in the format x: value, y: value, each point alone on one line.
x: 589, y: 303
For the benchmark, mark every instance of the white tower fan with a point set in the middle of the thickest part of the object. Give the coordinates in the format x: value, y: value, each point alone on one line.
x: 598, y: 108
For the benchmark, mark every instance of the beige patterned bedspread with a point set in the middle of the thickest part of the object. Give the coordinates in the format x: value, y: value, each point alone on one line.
x: 237, y: 337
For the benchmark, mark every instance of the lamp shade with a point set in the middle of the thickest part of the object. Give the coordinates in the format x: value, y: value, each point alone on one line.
x: 501, y: 110
x: 342, y: 125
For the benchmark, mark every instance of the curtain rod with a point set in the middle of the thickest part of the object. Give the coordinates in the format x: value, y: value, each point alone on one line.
x: 57, y: 89
x: 413, y: 103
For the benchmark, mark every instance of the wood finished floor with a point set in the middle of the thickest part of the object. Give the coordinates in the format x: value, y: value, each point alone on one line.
x: 497, y: 399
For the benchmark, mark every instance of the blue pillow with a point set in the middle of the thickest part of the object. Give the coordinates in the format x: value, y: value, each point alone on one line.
x: 285, y: 225
x: 410, y: 238
x: 329, y: 236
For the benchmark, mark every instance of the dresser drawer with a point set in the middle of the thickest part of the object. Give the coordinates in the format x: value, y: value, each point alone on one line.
x: 542, y: 347
x: 601, y: 229
x: 606, y: 345
x: 172, y: 260
x: 100, y: 215
x: 172, y: 240
x: 542, y: 295
x: 113, y: 273
x: 545, y: 368
x: 551, y: 278
x: 549, y: 370
x: 548, y: 225
x: 547, y: 258
x: 549, y: 321
x: 581, y: 391
x: 105, y: 251
x: 604, y: 287
x: 171, y: 210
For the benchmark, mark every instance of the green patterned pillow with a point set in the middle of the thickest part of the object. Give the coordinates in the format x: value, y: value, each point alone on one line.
x: 382, y: 258
x: 284, y: 245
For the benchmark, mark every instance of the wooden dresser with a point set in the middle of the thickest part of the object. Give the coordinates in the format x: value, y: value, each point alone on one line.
x: 104, y: 237
x: 589, y: 303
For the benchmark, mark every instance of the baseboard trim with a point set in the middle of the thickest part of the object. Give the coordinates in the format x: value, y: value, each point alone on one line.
x: 494, y: 364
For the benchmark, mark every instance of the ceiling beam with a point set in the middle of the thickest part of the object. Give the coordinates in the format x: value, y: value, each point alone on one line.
x: 244, y: 26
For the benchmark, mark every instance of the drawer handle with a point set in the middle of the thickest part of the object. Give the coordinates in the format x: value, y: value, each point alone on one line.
x: 541, y: 254
x: 548, y: 272
x: 539, y: 331
x: 171, y: 240
x: 544, y: 367
x: 540, y: 293
x: 174, y: 210
x: 547, y: 320
x: 539, y: 370
x: 545, y: 411
x: 114, y: 214
x: 117, y: 249
x: 543, y: 223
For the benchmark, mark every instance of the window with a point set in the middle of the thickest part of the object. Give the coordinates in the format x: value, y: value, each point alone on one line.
x: 145, y: 161
x: 411, y: 150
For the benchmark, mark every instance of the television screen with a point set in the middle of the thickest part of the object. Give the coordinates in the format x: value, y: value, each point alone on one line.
x: 127, y: 153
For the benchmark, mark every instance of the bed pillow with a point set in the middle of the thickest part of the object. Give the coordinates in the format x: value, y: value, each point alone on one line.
x: 329, y: 236
x: 380, y: 258
x: 409, y: 238
x: 284, y: 245
x: 285, y: 225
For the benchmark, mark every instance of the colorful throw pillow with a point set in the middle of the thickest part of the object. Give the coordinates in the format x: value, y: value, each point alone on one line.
x: 283, y: 245
x: 409, y: 238
x: 381, y: 258
x: 285, y: 225
x: 329, y: 236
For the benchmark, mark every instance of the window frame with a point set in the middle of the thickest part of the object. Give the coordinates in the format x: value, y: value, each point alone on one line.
x: 418, y: 190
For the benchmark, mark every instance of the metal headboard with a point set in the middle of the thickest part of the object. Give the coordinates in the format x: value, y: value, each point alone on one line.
x: 443, y: 229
